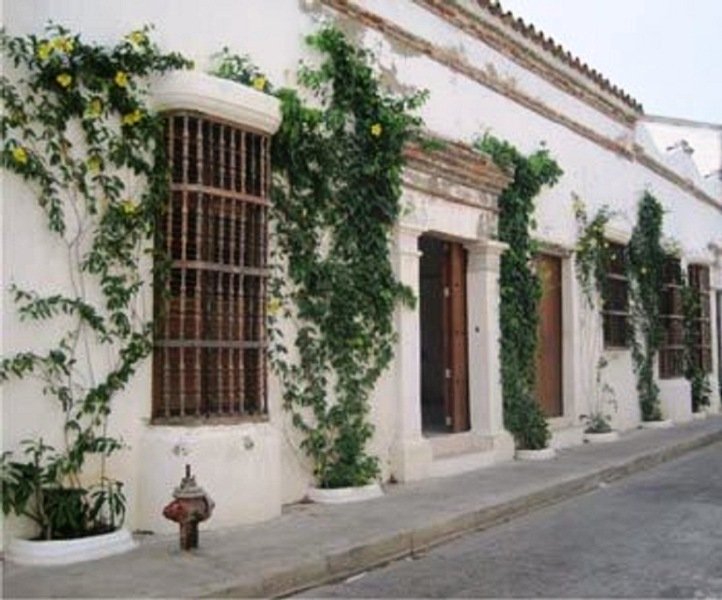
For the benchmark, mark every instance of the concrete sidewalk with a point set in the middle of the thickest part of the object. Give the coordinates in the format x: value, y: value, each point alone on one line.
x: 311, y: 544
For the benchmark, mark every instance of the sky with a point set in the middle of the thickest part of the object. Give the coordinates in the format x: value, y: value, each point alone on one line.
x: 667, y: 54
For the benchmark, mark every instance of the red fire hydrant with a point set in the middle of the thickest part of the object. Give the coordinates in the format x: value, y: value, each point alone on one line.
x: 191, y: 506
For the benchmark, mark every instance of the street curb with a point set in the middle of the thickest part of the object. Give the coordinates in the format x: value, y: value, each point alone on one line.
x: 347, y: 562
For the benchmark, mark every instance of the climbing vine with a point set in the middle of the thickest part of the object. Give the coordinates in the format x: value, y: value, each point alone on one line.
x: 520, y: 289
x: 646, y: 258
x: 76, y: 127
x: 592, y: 258
x: 592, y: 252
x: 337, y: 183
x: 694, y: 371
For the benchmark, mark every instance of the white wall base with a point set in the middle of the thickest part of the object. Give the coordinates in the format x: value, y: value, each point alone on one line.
x: 566, y: 435
x: 410, y: 460
x: 484, y: 451
x: 239, y: 466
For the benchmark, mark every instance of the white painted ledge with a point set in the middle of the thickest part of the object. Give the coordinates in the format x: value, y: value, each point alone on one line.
x: 345, y: 495
x: 543, y: 454
x: 64, y: 552
x: 216, y: 97
x: 601, y: 438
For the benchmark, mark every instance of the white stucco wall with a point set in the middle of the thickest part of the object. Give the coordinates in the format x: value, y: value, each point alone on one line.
x: 250, y: 480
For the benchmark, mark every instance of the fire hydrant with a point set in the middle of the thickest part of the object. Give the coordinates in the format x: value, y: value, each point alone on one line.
x: 191, y: 506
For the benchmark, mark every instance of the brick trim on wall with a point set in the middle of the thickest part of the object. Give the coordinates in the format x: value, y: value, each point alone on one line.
x: 541, y: 64
x: 455, y: 63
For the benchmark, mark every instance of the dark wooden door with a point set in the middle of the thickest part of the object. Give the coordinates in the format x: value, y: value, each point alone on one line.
x: 549, y: 355
x: 456, y: 390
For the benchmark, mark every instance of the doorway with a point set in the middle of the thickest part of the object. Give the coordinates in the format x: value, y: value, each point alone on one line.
x: 549, y: 353
x: 444, y: 350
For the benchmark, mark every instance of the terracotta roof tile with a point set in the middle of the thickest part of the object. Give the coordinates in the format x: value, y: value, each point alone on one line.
x: 549, y: 44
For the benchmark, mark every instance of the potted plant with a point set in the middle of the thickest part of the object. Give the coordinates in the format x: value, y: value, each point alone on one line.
x: 77, y: 130
x: 531, y: 431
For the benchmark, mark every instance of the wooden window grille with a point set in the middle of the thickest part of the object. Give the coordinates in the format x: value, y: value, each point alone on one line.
x: 671, y: 351
x: 209, y: 357
x: 615, y: 307
x: 702, y: 326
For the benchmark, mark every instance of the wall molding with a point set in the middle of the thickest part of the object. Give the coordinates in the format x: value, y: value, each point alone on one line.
x: 625, y: 110
x: 451, y: 60
x: 234, y: 102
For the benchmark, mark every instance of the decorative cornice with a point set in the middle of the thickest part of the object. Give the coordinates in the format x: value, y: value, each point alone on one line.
x: 457, y: 163
x: 543, y: 60
x: 193, y: 90
x: 452, y: 61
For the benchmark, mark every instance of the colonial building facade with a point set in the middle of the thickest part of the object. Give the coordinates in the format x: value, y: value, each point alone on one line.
x: 438, y: 409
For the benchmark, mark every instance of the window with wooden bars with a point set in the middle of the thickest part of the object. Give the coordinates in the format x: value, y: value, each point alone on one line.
x: 671, y: 351
x: 615, y: 307
x: 702, y: 324
x: 209, y: 353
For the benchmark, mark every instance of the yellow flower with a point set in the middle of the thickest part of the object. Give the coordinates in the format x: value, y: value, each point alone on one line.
x: 44, y: 51
x: 273, y: 306
x: 95, y: 108
x: 20, y: 155
x: 63, y: 44
x: 94, y: 164
x: 132, y: 118
x: 129, y: 207
x: 259, y: 83
x: 64, y: 79
x: 121, y: 79
x: 136, y: 37
x: 376, y: 129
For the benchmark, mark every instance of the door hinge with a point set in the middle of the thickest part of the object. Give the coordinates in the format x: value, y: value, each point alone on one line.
x: 447, y: 373
x: 449, y: 421
x: 447, y: 292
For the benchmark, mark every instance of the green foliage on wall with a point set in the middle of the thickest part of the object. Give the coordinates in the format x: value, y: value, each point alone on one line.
x: 592, y: 253
x: 700, y: 387
x: 76, y: 127
x: 646, y: 259
x: 520, y: 289
x: 337, y: 183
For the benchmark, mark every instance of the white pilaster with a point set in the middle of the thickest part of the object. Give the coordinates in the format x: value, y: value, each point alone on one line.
x: 410, y: 454
x: 485, y: 397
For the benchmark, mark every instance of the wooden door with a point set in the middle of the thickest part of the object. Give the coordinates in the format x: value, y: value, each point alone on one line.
x: 456, y: 390
x: 549, y: 355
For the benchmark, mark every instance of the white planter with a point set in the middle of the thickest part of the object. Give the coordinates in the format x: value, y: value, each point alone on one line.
x: 702, y: 414
x: 343, y: 495
x: 63, y: 552
x: 543, y: 454
x: 601, y: 438
x: 665, y: 424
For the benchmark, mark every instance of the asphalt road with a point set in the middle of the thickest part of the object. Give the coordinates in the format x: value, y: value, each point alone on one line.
x: 657, y: 534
